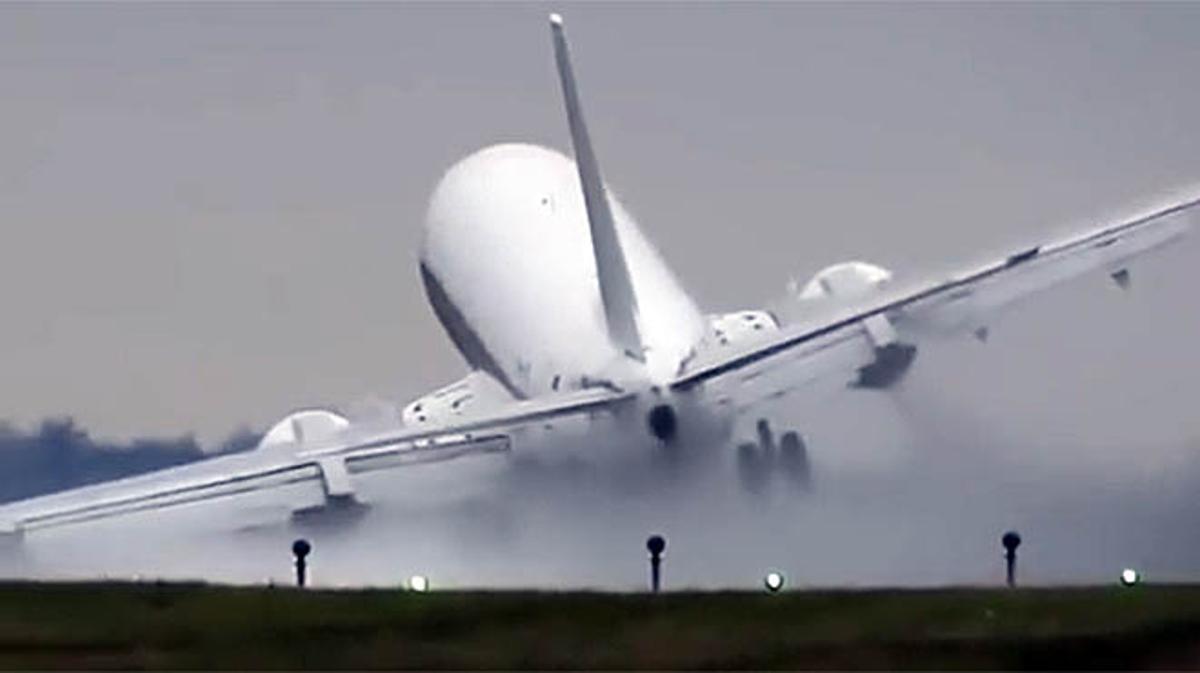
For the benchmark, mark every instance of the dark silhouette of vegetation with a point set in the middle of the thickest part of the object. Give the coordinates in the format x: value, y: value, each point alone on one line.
x: 180, y: 626
x: 59, y: 455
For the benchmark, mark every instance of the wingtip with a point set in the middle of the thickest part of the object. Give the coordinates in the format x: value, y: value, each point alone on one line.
x: 556, y: 20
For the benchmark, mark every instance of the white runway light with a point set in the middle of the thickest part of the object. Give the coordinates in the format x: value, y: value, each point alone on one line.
x: 1130, y: 577
x: 773, y: 581
x: 418, y: 583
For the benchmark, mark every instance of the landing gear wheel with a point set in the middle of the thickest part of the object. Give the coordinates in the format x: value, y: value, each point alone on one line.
x: 793, y: 460
x: 752, y: 469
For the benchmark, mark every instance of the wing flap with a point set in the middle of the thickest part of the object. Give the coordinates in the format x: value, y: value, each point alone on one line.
x: 329, y: 468
x: 960, y: 300
x: 978, y: 296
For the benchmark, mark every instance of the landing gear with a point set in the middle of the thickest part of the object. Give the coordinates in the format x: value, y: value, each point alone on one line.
x: 757, y: 461
x: 753, y: 468
x: 793, y: 460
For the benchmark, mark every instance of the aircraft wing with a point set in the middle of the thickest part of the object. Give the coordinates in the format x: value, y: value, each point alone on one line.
x: 309, y: 476
x: 861, y: 342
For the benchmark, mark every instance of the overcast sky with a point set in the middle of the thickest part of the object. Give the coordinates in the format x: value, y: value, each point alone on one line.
x: 211, y: 212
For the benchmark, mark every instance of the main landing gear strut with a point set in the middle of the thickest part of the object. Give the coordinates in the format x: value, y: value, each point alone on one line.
x: 788, y: 458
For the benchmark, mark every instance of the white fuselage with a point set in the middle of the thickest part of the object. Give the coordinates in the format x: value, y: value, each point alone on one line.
x: 508, y: 266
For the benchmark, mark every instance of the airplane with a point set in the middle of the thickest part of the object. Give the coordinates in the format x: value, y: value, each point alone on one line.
x: 573, y: 326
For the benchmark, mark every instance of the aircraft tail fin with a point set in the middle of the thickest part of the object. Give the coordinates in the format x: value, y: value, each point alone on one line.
x: 616, y: 287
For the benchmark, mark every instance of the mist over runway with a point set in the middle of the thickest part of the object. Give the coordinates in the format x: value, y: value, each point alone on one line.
x: 918, y: 496
x: 242, y: 223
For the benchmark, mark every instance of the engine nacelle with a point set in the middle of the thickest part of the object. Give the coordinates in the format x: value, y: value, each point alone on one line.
x: 307, y: 426
x: 847, y: 280
x: 850, y: 281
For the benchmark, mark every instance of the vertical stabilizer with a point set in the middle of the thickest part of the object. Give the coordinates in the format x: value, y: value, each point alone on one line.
x: 616, y: 288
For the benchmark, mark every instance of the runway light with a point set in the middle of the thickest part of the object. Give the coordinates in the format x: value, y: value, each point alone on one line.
x: 1130, y: 577
x: 773, y: 581
x: 418, y: 583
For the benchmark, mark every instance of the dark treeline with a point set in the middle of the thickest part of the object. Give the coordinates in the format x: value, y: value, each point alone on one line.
x: 59, y: 455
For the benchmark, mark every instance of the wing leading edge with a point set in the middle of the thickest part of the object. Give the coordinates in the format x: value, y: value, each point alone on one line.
x: 325, y: 468
x: 957, y: 302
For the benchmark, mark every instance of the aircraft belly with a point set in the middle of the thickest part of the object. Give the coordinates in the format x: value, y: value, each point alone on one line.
x: 514, y: 282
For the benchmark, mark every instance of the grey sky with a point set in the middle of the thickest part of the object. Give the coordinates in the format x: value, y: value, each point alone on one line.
x: 211, y: 212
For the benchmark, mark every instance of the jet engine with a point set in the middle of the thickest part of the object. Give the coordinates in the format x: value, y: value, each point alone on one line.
x: 850, y: 281
x: 847, y: 280
x: 300, y: 427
